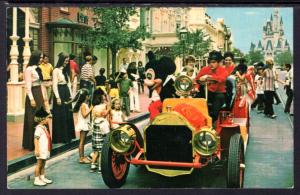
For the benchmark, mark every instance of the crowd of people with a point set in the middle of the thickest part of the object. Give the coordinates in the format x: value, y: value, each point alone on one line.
x: 68, y: 88
x: 104, y: 103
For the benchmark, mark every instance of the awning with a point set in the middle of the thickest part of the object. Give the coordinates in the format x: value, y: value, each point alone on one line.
x: 66, y: 23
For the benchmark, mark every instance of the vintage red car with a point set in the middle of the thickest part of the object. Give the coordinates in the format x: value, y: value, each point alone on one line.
x: 180, y: 140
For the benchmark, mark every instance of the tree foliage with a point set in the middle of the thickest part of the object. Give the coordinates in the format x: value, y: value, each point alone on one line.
x: 197, y: 44
x: 254, y: 56
x: 113, y: 31
x: 284, y: 58
x: 237, y: 52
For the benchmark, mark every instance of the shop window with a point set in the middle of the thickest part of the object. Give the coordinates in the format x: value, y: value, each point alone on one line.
x: 61, y: 47
x: 34, y: 43
x: 62, y: 34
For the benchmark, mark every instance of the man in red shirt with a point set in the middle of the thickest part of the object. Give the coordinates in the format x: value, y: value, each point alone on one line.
x: 74, y: 73
x: 215, y: 75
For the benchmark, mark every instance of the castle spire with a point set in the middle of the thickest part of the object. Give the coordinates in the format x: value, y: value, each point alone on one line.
x: 286, y: 43
x: 252, y: 46
x: 259, y: 46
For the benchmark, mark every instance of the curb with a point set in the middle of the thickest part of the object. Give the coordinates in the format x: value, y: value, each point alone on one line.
x: 29, y: 159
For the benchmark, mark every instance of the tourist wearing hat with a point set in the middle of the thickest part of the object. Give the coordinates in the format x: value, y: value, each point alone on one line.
x: 215, y: 75
x: 42, y: 144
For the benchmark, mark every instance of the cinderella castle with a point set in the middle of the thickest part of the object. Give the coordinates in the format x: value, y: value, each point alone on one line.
x: 273, y: 41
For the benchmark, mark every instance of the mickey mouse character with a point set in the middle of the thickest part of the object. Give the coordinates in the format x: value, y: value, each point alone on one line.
x: 160, y: 79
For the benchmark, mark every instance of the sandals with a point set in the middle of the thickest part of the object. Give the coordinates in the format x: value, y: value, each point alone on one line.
x: 84, y: 161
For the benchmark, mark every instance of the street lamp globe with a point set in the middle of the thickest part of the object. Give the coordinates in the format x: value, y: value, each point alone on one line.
x: 183, y: 34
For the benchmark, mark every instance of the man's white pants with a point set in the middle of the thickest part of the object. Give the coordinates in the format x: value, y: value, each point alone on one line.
x: 134, y: 97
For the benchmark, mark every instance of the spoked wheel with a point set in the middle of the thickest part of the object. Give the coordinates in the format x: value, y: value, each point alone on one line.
x: 114, y: 167
x: 236, y: 162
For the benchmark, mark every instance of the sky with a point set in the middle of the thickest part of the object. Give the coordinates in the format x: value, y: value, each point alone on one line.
x: 247, y: 23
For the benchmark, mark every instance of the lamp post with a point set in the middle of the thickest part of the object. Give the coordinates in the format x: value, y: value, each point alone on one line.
x: 183, y: 37
x: 227, y: 37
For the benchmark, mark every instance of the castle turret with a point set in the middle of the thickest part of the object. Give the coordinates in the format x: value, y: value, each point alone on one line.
x: 259, y: 46
x: 252, y: 47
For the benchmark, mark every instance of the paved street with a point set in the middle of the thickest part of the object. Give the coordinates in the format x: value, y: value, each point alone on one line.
x: 269, y: 164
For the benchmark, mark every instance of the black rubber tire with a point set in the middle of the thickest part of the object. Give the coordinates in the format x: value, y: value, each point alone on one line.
x: 235, y: 175
x: 106, y: 166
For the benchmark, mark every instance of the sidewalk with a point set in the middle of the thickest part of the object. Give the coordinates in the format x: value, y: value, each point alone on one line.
x: 15, y: 132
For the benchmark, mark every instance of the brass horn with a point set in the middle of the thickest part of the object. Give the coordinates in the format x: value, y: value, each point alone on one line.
x: 122, y: 139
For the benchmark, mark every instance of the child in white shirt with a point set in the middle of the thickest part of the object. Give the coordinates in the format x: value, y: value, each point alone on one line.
x: 42, y: 144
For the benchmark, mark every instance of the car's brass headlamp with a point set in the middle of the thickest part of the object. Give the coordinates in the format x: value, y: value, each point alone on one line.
x: 205, y: 141
x: 122, y: 139
x: 183, y: 85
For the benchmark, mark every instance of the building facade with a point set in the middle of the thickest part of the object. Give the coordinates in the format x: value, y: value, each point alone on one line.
x: 50, y: 29
x: 164, y: 22
x: 273, y: 40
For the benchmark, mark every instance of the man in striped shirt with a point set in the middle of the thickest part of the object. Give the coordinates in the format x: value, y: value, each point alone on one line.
x: 87, y: 79
x: 269, y: 88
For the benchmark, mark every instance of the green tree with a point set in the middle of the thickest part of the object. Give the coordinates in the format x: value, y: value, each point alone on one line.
x: 197, y: 44
x: 254, y: 56
x: 284, y: 58
x: 238, y: 54
x: 112, y: 30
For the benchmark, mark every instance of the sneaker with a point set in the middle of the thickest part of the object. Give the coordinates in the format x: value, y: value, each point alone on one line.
x: 39, y: 182
x: 46, y: 180
x: 93, y: 168
x: 274, y: 116
x: 278, y: 103
x: 259, y: 112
